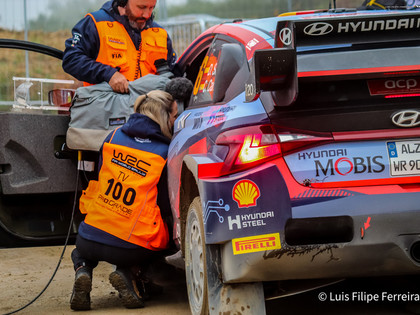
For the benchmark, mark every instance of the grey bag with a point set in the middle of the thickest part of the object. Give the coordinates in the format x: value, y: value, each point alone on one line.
x: 97, y: 109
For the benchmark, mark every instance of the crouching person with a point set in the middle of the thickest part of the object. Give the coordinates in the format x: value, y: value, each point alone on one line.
x: 123, y: 224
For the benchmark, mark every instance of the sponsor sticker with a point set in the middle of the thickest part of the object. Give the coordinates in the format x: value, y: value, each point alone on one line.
x: 118, y: 121
x: 394, y: 86
x: 258, y: 243
x: 116, y: 40
x: 246, y: 193
x: 341, y: 162
x: 249, y: 220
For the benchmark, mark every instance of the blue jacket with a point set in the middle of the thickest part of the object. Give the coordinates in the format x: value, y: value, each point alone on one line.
x: 82, y: 49
x: 140, y: 132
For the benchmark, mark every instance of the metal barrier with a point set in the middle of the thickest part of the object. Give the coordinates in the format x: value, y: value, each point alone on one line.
x: 184, y: 30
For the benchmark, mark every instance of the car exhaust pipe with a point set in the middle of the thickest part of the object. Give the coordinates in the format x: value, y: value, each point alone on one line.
x: 415, y: 252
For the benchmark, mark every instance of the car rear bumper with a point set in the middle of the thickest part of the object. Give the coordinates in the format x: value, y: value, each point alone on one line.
x: 290, y: 231
x: 385, y: 241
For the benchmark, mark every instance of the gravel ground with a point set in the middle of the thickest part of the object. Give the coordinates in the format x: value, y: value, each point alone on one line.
x: 24, y: 272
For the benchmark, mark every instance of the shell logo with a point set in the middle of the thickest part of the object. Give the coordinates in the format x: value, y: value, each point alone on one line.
x: 246, y: 193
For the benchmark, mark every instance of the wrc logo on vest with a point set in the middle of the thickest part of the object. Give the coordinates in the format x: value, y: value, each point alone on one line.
x: 130, y: 162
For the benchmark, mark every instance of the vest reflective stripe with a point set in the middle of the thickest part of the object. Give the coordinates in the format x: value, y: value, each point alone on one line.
x: 123, y: 200
x: 117, y: 49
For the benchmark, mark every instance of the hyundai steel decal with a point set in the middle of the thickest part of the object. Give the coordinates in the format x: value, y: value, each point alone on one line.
x: 239, y: 207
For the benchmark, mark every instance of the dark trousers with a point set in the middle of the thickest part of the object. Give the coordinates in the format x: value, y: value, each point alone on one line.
x: 88, y: 253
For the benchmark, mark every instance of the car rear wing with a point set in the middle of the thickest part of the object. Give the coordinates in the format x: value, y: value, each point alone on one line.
x: 353, y: 28
x: 277, y: 69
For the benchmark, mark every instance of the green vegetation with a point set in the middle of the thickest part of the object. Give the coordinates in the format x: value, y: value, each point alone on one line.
x: 64, y: 16
x: 43, y: 30
x: 254, y: 9
x: 12, y: 61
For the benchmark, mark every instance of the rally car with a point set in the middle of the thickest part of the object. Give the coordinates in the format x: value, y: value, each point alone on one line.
x: 298, y: 156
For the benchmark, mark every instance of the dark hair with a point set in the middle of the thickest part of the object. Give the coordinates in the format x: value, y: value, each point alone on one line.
x: 121, y: 3
x: 180, y: 88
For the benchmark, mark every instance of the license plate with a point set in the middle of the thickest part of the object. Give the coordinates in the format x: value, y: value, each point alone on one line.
x: 404, y: 157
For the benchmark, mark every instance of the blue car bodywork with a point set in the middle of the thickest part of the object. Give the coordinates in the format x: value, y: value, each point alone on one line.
x: 291, y: 144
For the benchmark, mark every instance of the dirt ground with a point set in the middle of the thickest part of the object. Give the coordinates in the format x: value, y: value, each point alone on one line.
x: 24, y: 272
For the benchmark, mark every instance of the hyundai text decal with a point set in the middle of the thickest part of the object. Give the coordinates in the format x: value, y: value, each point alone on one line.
x: 367, y: 25
x: 321, y: 153
x: 378, y: 25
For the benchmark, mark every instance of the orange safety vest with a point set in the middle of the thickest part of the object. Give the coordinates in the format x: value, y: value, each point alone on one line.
x: 122, y: 202
x: 118, y: 50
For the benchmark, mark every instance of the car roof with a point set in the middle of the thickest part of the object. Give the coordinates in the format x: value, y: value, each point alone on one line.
x: 354, y: 32
x: 261, y: 32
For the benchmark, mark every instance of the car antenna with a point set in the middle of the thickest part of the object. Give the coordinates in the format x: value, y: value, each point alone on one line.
x: 334, y: 3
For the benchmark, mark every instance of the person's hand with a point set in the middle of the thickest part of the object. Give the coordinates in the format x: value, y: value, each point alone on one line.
x: 119, y: 83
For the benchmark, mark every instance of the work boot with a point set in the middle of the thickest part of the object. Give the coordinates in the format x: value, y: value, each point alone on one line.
x: 80, y: 298
x: 148, y: 287
x: 123, y: 281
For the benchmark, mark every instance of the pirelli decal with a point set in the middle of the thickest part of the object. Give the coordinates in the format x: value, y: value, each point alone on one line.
x: 258, y: 243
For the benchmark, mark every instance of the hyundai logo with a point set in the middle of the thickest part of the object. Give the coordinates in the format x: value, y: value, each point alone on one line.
x: 318, y: 29
x: 285, y: 36
x: 406, y: 118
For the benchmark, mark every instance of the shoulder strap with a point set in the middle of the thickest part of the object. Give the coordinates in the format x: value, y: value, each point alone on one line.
x: 113, y: 133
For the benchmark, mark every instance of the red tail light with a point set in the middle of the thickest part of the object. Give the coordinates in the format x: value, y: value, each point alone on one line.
x: 255, y: 148
x: 248, y: 147
x: 251, y: 146
x: 402, y: 95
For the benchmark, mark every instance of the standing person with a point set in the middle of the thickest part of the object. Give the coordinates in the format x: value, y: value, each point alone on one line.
x: 124, y: 223
x: 116, y: 44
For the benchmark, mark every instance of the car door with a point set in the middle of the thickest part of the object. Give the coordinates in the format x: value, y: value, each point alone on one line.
x: 37, y: 174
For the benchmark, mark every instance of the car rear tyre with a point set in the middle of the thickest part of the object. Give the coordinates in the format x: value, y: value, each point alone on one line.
x: 195, y: 259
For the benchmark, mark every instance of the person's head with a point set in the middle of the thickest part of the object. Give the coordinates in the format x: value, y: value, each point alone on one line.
x: 160, y: 107
x: 138, y: 11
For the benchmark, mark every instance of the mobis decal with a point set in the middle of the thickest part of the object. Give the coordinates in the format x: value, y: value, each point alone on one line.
x: 246, y: 193
x: 344, y: 166
x: 351, y: 161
